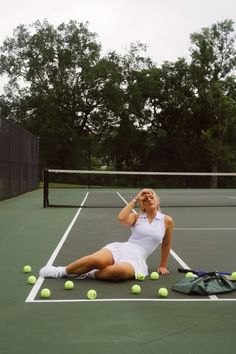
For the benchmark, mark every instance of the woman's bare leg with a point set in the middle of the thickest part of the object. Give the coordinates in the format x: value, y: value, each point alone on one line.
x: 97, y: 260
x: 116, y: 272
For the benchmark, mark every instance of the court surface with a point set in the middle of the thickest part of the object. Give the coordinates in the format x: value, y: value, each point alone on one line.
x: 117, y: 321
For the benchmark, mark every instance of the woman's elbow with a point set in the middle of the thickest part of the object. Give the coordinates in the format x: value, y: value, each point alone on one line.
x: 121, y: 218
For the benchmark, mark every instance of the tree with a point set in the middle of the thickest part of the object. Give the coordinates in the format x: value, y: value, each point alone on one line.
x: 176, y: 116
x: 127, y: 137
x: 213, y: 68
x: 59, y: 86
x: 166, y: 95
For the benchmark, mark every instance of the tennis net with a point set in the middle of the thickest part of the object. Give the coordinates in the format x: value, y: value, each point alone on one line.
x: 111, y: 189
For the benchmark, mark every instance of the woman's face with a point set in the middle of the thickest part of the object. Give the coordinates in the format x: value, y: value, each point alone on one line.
x: 149, y: 199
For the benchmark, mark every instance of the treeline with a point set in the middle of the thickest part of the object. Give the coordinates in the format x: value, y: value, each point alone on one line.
x: 122, y: 111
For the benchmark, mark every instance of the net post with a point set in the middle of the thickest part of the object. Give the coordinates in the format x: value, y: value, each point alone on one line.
x: 45, y: 188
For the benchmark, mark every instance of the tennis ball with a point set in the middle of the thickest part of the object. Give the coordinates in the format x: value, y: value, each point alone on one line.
x: 91, y: 294
x: 233, y: 276
x: 45, y: 293
x: 136, y: 289
x: 27, y: 269
x: 31, y: 280
x: 68, y: 285
x: 140, y: 276
x: 189, y: 275
x: 154, y: 276
x: 163, y: 292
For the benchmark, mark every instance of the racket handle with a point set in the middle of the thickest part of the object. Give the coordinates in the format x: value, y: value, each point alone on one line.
x: 185, y: 270
x: 197, y: 272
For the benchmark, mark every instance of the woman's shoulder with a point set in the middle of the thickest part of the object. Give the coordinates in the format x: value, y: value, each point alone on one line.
x: 168, y: 220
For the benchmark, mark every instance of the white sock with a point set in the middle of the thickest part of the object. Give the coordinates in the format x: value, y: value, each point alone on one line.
x: 63, y: 272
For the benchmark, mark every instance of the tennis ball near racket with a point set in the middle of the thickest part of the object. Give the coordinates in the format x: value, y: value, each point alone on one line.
x: 31, y: 280
x: 45, y: 293
x: 154, y: 276
x: 27, y: 269
x: 136, y: 289
x: 163, y: 292
x: 91, y: 294
x: 140, y: 276
x: 69, y: 285
x: 189, y: 275
x: 233, y: 276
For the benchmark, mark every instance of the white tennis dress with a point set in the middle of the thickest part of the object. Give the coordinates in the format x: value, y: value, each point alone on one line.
x: 144, y: 240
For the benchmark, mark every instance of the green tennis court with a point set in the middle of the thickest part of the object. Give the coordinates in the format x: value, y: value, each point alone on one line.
x: 117, y: 320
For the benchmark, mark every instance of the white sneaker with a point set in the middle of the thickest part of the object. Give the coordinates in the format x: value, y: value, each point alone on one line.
x: 52, y: 272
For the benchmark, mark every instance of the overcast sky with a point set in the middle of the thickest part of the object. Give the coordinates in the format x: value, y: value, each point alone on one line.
x: 163, y: 25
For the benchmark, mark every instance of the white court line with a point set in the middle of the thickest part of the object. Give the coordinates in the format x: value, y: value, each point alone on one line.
x: 140, y: 299
x: 176, y: 257
x: 205, y: 228
x: 40, y: 280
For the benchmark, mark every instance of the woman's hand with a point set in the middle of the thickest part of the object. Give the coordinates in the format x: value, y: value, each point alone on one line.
x: 163, y: 271
x: 143, y: 195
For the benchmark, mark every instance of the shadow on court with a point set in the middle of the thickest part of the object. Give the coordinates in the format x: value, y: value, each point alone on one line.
x: 117, y: 321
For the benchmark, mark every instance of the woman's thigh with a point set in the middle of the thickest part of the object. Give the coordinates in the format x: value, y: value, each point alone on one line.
x: 103, y: 258
x: 116, y: 272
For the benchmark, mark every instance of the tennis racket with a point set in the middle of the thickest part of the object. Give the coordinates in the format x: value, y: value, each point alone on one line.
x: 201, y: 272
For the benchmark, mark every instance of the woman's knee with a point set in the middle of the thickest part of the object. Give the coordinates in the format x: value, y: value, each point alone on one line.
x: 122, y: 271
x: 101, y: 259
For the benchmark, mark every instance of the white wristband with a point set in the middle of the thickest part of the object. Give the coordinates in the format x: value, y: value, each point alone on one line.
x: 134, y: 201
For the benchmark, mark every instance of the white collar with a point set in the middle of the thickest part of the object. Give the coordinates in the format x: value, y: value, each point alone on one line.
x: 157, y: 216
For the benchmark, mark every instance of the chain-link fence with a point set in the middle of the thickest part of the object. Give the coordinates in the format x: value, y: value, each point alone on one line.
x: 19, y: 160
x: 130, y: 154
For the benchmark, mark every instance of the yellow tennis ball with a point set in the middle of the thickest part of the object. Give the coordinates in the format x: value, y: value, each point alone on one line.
x: 27, y: 269
x: 69, y: 285
x: 136, y: 289
x: 140, y: 276
x: 154, y: 276
x: 91, y: 294
x: 189, y: 275
x: 233, y: 276
x: 45, y: 293
x: 31, y: 280
x: 163, y: 292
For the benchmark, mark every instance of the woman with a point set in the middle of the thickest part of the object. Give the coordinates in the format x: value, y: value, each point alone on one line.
x: 124, y: 260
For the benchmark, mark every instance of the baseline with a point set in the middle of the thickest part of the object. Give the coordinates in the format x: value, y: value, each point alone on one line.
x: 137, y: 300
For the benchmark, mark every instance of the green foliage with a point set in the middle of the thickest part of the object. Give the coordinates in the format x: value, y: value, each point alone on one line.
x: 213, y: 68
x: 122, y: 111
